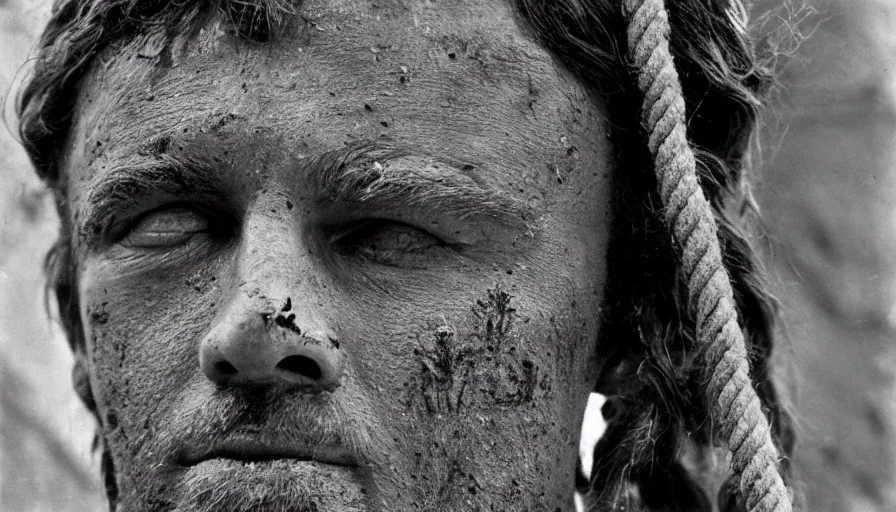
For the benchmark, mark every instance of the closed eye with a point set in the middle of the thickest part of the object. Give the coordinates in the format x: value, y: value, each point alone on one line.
x: 391, y: 243
x: 166, y: 227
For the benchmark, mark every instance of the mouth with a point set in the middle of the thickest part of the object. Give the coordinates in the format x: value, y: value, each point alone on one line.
x: 256, y: 473
x: 251, y: 452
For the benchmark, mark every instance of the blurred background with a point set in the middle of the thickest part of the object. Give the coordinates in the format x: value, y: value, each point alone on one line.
x: 827, y: 190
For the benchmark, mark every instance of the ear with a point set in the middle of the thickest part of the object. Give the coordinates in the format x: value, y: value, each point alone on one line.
x: 80, y: 370
x: 619, y: 375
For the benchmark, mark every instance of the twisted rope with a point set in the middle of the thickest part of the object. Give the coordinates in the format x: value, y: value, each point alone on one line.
x: 736, y: 408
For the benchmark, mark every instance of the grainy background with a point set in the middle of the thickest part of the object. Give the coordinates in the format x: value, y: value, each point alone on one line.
x: 828, y: 192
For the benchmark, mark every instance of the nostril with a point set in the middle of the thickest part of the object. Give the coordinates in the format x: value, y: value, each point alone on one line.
x: 225, y: 368
x: 302, y: 365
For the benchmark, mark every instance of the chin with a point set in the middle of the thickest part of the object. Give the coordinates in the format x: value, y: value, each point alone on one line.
x: 224, y: 485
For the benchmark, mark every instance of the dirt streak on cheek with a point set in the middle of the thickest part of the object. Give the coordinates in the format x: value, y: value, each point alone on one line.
x: 485, y: 396
x: 484, y: 370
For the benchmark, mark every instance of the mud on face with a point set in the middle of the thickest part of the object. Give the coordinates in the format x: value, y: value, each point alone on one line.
x: 484, y: 368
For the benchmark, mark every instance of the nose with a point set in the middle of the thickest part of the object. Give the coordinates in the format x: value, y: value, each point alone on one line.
x: 251, y: 348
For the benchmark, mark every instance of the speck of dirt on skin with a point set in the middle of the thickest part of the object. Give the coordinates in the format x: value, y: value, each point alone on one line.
x: 97, y: 313
x: 556, y: 170
x: 160, y: 146
x: 222, y: 121
x: 288, y: 322
x: 111, y: 420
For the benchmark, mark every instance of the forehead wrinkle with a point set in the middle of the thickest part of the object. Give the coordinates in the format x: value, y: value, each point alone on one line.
x: 516, y: 61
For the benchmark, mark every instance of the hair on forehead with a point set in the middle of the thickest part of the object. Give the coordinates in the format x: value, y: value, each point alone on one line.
x: 79, y: 29
x: 257, y: 19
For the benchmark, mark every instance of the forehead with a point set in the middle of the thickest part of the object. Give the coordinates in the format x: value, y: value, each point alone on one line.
x: 458, y: 79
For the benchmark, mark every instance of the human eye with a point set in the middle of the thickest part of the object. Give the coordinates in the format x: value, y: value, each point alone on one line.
x: 165, y: 228
x: 392, y: 243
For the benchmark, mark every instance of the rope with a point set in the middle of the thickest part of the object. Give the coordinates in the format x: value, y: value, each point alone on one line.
x: 736, y: 408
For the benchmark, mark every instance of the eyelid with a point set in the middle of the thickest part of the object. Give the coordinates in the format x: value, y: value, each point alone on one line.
x: 151, y: 230
x: 391, y: 243
x: 341, y: 220
x: 141, y: 182
x: 345, y: 230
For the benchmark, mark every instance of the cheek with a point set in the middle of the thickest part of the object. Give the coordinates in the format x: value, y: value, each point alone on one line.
x: 499, y: 384
x: 142, y: 335
x: 453, y: 353
x: 492, y: 341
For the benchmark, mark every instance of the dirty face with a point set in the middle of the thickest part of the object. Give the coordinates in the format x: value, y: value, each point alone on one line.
x: 359, y: 267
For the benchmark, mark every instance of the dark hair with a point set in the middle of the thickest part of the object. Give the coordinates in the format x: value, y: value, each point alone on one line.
x: 663, y: 407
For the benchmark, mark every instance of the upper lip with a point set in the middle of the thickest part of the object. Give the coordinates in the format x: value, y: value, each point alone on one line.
x: 253, y: 448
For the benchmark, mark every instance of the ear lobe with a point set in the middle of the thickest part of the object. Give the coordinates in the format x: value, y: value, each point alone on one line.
x: 619, y: 374
x: 81, y: 376
x: 81, y: 382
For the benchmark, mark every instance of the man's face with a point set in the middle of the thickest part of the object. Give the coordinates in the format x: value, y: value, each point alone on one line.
x: 356, y: 268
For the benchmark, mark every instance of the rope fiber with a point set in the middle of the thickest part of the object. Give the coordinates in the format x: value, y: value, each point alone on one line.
x: 736, y: 409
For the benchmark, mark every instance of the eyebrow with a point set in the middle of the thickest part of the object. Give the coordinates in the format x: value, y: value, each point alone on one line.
x: 371, y: 174
x: 148, y: 172
x: 379, y: 174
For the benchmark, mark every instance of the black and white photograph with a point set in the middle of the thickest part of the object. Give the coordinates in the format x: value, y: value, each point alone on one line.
x: 448, y: 255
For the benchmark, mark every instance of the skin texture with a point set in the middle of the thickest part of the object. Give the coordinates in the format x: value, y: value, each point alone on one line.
x: 446, y: 282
